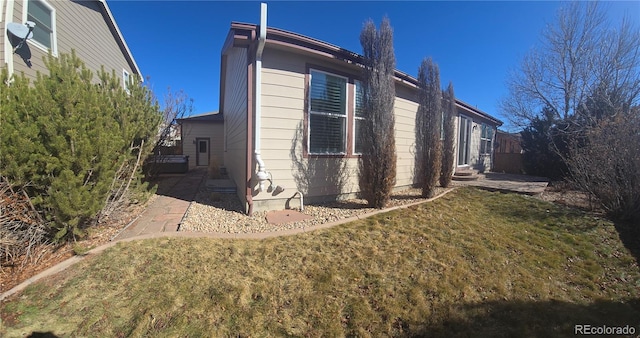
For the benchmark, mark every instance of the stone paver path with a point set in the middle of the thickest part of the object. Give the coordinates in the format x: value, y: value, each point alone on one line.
x: 165, y: 213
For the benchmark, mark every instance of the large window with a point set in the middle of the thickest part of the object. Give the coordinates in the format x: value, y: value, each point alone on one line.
x: 327, y: 113
x: 44, y: 16
x: 486, y: 138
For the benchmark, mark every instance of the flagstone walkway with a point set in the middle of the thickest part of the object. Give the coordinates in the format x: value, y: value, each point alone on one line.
x: 175, y: 194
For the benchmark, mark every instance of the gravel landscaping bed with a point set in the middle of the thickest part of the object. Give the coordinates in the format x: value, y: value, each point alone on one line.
x: 221, y: 213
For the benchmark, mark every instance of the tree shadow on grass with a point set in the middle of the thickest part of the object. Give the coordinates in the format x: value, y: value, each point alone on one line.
x: 629, y: 233
x: 532, y: 319
x: 42, y: 335
x: 552, y: 216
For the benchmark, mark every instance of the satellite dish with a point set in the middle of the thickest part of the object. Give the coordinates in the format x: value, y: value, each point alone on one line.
x: 20, y: 31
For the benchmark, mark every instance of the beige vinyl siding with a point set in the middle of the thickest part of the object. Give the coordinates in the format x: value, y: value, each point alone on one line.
x: 406, y: 108
x: 235, y: 118
x: 282, y: 117
x: 283, y: 99
x: 83, y: 27
x: 211, y: 130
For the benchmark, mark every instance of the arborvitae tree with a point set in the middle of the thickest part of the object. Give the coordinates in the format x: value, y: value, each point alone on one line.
x: 448, y: 133
x: 428, y: 118
x: 65, y: 136
x: 377, y: 165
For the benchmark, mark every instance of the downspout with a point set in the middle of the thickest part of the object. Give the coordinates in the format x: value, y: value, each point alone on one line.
x: 262, y: 174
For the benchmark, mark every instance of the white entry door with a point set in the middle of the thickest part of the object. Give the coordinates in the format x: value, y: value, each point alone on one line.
x: 202, y: 151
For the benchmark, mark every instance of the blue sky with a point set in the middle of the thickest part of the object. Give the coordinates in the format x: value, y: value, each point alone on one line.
x: 177, y: 44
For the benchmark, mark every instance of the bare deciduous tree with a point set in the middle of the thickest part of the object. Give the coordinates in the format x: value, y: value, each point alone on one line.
x: 586, y: 76
x: 605, y: 163
x: 377, y: 165
x: 176, y: 105
x: 577, y: 55
x: 428, y: 145
x: 448, y: 131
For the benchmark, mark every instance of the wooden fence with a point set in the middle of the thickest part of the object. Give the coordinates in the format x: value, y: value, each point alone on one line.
x: 508, y: 162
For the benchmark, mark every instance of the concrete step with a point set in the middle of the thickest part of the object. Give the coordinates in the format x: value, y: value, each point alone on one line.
x: 465, y: 177
x: 225, y: 186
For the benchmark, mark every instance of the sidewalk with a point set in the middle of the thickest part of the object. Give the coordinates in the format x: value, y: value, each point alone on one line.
x: 174, y: 196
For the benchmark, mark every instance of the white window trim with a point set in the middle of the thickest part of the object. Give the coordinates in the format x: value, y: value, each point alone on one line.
x: 486, y: 139
x: 345, y: 116
x: 469, y: 138
x: 54, y: 34
x: 125, y: 76
x: 1, y: 9
x: 353, y: 131
x: 8, y: 52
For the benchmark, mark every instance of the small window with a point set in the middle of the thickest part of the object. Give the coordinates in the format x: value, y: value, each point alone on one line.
x: 486, y: 138
x: 202, y: 146
x: 358, y: 118
x: 44, y: 16
x: 327, y: 113
x: 126, y: 78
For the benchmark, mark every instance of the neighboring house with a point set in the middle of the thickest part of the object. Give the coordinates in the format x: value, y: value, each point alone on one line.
x: 203, y: 139
x: 508, y: 153
x: 88, y: 27
x: 291, y: 111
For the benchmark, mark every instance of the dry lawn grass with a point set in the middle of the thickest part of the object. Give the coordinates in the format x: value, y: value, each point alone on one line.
x: 471, y: 263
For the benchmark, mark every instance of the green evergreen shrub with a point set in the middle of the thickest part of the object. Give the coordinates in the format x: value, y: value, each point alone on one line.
x: 67, y: 138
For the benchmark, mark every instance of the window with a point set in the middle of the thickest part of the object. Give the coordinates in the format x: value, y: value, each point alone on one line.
x: 358, y: 118
x: 327, y: 113
x: 126, y: 77
x: 486, y: 138
x: 44, y: 16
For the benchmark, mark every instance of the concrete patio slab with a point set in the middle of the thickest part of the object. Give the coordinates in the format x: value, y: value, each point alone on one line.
x: 523, y: 184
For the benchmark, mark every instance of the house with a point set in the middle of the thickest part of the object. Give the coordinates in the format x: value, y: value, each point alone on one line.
x: 291, y: 111
x: 203, y: 139
x: 88, y: 27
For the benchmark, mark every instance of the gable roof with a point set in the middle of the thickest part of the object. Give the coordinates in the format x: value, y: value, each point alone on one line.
x: 245, y: 34
x: 119, y: 37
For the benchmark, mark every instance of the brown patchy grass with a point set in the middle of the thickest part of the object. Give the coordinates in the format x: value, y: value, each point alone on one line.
x: 471, y: 263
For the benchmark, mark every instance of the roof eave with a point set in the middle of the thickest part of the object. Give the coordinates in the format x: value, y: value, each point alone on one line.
x: 120, y: 37
x: 244, y: 33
